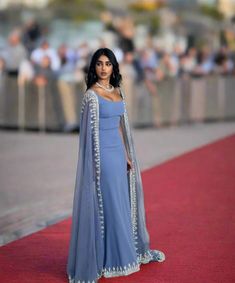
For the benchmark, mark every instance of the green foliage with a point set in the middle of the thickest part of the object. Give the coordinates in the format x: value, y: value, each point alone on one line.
x: 137, y: 9
x: 211, y: 11
x: 78, y: 2
x: 77, y: 10
x: 154, y: 24
x: 151, y: 21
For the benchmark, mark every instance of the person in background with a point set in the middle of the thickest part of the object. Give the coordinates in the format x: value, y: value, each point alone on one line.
x: 31, y: 35
x: 2, y: 68
x: 45, y: 50
x: 223, y: 62
x: 26, y: 72
x: 67, y: 88
x: 45, y: 78
x: 44, y: 72
x: 188, y: 62
x: 14, y: 53
x: 205, y: 62
x: 129, y: 73
x: 149, y: 63
x: 168, y: 67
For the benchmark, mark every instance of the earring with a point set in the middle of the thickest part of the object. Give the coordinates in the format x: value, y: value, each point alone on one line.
x: 113, y: 75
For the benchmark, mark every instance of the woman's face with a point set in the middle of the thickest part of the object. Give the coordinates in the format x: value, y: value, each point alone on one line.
x: 103, y: 68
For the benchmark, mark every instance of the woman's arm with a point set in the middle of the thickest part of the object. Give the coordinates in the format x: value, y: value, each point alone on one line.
x: 129, y: 163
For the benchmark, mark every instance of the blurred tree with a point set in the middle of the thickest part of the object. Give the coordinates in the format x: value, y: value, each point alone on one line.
x: 80, y: 3
x: 147, y: 12
x: 78, y: 10
x: 211, y: 11
x: 142, y: 6
x: 154, y: 24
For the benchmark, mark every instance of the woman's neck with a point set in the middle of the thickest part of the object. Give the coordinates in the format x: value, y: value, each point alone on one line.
x: 104, y: 82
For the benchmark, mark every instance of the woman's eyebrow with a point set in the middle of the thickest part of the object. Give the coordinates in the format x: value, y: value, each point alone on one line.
x: 99, y: 61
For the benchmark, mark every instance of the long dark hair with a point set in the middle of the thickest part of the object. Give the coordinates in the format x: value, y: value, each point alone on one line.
x: 115, y: 78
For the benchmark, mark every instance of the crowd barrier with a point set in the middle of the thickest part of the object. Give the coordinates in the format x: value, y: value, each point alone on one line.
x: 28, y: 106
x: 185, y: 100
x: 180, y: 100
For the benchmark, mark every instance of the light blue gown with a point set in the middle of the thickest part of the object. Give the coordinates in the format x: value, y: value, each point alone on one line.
x: 119, y: 249
x: 108, y: 233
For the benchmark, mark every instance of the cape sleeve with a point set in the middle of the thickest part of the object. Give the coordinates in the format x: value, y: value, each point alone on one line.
x: 140, y: 232
x: 85, y: 259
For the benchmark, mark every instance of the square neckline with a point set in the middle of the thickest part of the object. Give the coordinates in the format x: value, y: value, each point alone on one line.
x: 107, y: 99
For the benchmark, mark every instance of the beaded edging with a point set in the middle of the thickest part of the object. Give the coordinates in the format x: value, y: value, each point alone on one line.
x: 92, y: 99
x: 120, y: 271
x: 132, y: 179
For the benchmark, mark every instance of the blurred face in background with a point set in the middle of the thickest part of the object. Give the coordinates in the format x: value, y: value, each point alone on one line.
x: 14, y: 39
x: 46, y: 62
x: 62, y: 51
x: 45, y: 45
x: 129, y: 57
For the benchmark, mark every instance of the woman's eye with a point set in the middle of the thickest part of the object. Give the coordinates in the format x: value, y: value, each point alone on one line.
x: 98, y: 64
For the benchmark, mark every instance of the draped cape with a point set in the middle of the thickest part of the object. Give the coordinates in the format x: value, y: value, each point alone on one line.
x: 86, y: 247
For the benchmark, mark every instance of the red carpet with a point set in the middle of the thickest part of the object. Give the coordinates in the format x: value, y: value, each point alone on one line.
x: 190, y: 216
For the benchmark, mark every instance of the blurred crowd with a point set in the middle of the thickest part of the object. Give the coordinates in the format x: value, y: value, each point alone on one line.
x: 28, y: 56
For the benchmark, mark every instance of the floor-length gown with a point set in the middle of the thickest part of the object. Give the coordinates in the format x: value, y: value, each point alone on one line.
x: 120, y: 256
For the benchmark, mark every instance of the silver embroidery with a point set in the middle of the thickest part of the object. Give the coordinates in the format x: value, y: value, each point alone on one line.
x: 93, y: 100
x: 120, y: 271
x: 80, y: 281
x: 132, y: 179
x: 145, y: 258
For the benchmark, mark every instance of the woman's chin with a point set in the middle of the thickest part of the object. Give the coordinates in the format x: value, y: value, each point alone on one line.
x: 104, y: 77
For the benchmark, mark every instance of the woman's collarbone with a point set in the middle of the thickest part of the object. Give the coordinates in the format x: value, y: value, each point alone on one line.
x: 113, y: 96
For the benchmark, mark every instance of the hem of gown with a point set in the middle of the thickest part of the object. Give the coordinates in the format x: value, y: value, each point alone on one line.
x: 149, y: 256
x: 116, y: 272
x: 109, y: 274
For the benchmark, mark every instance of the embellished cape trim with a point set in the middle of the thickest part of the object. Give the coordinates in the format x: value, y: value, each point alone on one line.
x: 120, y: 271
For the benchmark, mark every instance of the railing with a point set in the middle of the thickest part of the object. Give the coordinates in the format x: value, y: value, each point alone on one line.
x: 25, y: 105
x: 181, y: 100
x: 185, y: 100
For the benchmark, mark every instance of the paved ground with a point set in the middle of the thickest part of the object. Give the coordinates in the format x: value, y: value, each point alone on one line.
x: 37, y: 171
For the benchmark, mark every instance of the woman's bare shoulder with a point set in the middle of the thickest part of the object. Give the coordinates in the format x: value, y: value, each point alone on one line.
x: 120, y: 92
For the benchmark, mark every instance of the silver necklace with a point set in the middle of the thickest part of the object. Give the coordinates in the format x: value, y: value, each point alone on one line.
x: 110, y: 89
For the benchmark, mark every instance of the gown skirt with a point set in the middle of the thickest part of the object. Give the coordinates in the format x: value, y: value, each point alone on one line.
x: 119, y: 248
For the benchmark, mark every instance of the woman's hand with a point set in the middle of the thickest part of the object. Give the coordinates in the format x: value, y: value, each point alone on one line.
x: 129, y: 164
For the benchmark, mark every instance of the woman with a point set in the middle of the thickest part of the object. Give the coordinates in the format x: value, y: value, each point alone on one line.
x: 108, y: 235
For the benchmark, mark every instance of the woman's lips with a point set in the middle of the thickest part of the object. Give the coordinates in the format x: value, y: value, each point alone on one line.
x: 103, y: 73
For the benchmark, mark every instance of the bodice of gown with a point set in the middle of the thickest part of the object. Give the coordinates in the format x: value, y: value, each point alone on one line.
x: 109, y: 113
